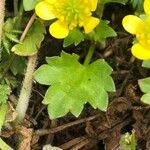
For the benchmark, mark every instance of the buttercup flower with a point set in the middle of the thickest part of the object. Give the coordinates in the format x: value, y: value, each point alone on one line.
x: 140, y: 28
x: 69, y: 14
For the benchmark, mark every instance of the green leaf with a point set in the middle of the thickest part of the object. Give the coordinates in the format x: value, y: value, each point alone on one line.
x: 72, y: 84
x: 29, y: 5
x: 146, y: 64
x: 102, y: 31
x: 4, y: 93
x: 32, y: 41
x: 6, y: 44
x: 18, y: 66
x: 145, y: 85
x: 146, y: 98
x: 137, y: 5
x: 74, y: 37
x: 4, y: 146
x: 8, y: 36
x: 145, y: 88
x: 8, y: 25
x: 3, y: 110
x: 12, y: 37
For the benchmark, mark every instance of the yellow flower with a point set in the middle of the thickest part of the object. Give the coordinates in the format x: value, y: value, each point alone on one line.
x: 69, y: 14
x: 140, y: 28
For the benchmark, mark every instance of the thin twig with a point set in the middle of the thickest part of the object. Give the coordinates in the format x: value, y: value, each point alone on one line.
x: 42, y: 132
x: 72, y: 142
x: 81, y: 144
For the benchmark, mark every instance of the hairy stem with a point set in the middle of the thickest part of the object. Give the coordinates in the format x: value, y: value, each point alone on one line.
x: 25, y: 93
x: 2, y: 15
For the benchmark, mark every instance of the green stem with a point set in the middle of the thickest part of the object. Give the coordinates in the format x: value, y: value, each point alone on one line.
x: 133, y: 141
x: 19, y: 17
x: 89, y: 55
x: 100, y: 10
x: 15, y: 4
x: 92, y: 47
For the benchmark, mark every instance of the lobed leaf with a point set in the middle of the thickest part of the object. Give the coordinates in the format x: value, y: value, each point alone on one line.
x: 146, y: 64
x: 145, y: 85
x: 75, y: 37
x: 72, y: 85
x: 102, y: 31
x: 32, y: 41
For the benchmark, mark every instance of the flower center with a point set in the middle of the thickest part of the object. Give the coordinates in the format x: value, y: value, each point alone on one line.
x: 144, y: 36
x: 72, y: 11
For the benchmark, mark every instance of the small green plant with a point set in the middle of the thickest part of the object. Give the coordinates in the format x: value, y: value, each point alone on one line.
x: 128, y: 141
x: 71, y: 83
x: 139, y: 26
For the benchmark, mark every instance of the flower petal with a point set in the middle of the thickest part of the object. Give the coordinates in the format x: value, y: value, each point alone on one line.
x: 44, y: 10
x: 59, y: 29
x: 132, y: 24
x: 140, y: 52
x: 93, y: 4
x: 90, y: 23
x: 147, y: 6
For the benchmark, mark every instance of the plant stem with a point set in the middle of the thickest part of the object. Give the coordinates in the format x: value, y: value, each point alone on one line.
x: 19, y: 16
x: 2, y: 15
x: 25, y: 93
x: 92, y: 47
x: 89, y: 55
x: 133, y: 141
x: 100, y: 9
x: 15, y: 5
